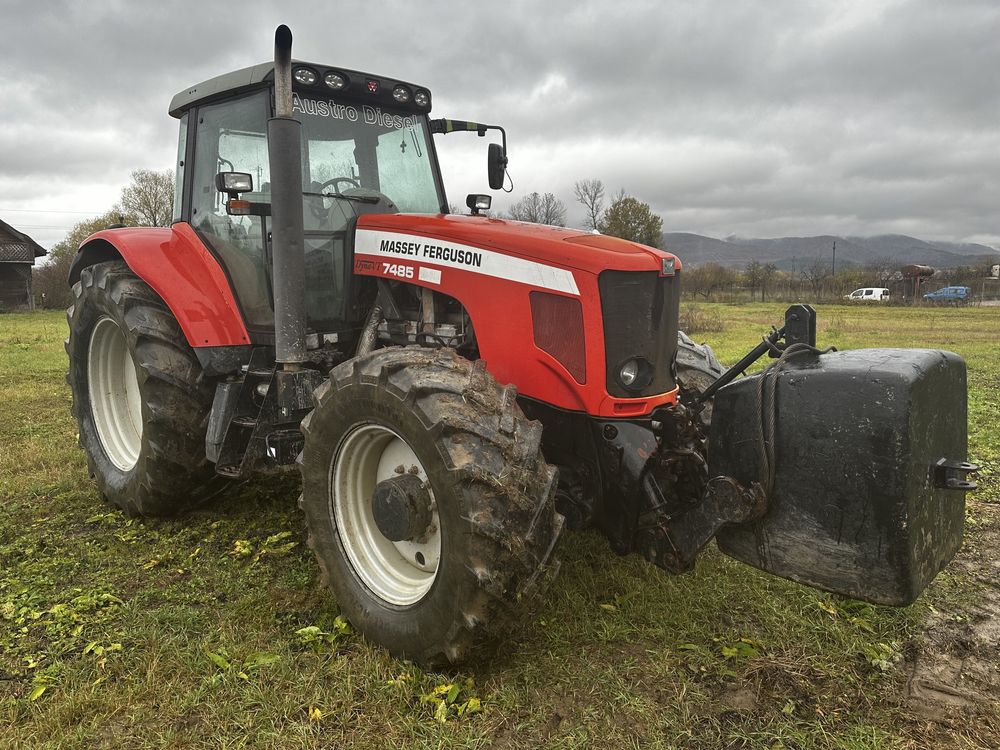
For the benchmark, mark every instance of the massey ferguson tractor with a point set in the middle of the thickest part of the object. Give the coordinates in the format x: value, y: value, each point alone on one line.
x: 456, y: 389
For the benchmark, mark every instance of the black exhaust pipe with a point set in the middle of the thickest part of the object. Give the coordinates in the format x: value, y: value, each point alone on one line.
x: 284, y: 145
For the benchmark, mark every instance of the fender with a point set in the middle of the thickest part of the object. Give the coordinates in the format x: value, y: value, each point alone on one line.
x: 178, y: 267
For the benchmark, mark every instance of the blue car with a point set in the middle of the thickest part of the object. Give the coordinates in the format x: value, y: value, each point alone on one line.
x: 953, y: 294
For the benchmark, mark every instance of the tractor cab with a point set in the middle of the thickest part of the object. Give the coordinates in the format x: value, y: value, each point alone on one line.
x: 366, y: 148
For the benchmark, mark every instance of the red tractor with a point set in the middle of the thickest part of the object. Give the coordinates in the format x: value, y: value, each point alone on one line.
x: 457, y: 388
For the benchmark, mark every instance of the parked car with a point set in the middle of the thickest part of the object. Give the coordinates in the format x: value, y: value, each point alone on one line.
x: 869, y: 294
x: 950, y: 294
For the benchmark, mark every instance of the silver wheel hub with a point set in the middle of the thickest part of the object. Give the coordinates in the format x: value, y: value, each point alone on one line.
x: 113, y: 388
x: 398, y: 572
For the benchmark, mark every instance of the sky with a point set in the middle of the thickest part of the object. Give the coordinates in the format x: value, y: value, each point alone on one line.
x: 729, y: 117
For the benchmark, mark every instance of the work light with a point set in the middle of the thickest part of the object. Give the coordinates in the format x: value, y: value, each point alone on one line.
x: 335, y: 80
x: 305, y: 76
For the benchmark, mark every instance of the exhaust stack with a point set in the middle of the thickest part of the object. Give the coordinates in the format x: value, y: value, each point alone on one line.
x: 284, y: 145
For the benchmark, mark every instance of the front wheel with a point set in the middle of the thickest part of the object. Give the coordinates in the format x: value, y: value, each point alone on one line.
x: 429, y: 505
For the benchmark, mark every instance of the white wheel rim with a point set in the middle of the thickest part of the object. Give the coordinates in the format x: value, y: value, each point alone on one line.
x: 399, y: 573
x: 114, y: 394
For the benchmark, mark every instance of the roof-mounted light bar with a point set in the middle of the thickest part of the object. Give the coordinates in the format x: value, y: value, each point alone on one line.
x: 360, y: 86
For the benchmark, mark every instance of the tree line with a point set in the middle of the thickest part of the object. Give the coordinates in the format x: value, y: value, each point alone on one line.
x: 816, y: 281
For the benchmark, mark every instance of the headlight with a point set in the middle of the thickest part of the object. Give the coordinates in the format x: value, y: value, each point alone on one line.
x: 422, y: 99
x: 635, y: 373
x: 629, y: 373
x: 305, y: 76
x: 401, y: 94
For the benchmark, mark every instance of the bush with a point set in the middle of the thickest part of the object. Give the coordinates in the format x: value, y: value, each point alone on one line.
x: 695, y: 320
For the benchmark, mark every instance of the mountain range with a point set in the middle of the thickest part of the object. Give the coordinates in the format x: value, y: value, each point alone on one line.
x: 794, y: 253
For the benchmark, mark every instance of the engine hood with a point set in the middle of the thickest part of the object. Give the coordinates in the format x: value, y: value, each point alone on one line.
x: 567, y: 248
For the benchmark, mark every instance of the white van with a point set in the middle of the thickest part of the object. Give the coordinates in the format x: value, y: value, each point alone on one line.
x: 869, y: 294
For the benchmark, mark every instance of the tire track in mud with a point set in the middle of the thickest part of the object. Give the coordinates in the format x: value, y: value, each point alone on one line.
x: 953, y: 673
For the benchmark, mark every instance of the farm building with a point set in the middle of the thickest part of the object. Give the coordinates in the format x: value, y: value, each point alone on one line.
x: 17, y: 255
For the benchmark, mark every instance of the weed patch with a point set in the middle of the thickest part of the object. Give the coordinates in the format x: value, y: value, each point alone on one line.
x: 695, y: 319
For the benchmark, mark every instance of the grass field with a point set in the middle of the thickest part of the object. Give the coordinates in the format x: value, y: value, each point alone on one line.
x: 210, y: 631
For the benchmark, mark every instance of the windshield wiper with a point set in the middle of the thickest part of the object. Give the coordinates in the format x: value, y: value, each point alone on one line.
x: 356, y: 198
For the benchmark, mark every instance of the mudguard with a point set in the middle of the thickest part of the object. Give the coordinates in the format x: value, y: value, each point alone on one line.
x: 178, y: 267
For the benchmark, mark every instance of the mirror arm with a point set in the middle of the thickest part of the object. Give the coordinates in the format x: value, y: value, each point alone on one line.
x: 503, y: 136
x: 443, y: 125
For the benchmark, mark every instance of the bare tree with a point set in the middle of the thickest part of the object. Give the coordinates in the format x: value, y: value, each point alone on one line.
x: 883, y: 269
x: 754, y: 275
x: 590, y: 195
x: 539, y: 209
x: 149, y: 198
x: 758, y: 275
x: 767, y: 275
x: 706, y: 279
x: 816, y: 273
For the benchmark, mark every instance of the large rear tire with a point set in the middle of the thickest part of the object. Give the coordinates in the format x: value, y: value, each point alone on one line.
x: 139, y: 396
x: 697, y: 368
x: 451, y: 590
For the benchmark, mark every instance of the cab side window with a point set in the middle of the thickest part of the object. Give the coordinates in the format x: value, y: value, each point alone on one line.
x: 231, y: 137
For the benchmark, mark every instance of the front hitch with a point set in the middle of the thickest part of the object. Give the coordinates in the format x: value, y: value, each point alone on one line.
x: 659, y: 499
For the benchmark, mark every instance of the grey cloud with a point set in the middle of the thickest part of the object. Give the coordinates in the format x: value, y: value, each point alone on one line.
x: 785, y: 117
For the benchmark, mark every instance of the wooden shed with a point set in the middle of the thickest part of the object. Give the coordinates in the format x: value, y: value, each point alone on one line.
x: 17, y: 255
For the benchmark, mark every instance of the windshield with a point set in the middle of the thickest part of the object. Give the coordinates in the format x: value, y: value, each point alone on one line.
x: 364, y: 151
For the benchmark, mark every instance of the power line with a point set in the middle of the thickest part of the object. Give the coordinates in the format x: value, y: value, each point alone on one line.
x: 40, y: 211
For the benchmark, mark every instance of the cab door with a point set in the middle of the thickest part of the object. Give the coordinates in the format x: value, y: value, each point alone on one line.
x: 230, y: 137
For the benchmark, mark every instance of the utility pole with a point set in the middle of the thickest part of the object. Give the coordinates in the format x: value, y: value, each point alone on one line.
x: 834, y: 258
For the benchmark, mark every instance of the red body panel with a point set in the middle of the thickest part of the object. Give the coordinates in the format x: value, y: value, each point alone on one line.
x: 179, y: 268
x: 495, y: 292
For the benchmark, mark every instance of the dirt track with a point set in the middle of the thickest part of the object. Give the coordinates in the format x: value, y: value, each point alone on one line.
x: 954, y: 669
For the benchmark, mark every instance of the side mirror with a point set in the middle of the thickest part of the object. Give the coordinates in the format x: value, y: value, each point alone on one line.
x: 496, y: 165
x: 233, y: 183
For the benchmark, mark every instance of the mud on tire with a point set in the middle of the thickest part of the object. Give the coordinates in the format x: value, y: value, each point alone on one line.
x: 493, y: 493
x: 169, y: 471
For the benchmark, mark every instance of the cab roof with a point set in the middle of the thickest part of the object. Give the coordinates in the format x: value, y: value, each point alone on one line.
x: 359, y: 87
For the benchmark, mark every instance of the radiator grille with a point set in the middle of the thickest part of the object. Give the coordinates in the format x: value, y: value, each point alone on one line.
x: 640, y: 310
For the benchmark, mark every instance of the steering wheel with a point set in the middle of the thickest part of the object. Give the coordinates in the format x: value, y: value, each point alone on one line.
x: 336, y: 181
x: 319, y: 207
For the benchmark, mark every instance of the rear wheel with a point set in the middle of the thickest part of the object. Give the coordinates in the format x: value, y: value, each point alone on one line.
x: 139, y: 396
x: 429, y: 505
x: 697, y: 368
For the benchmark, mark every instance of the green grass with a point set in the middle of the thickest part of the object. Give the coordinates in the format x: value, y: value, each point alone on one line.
x: 185, y: 633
